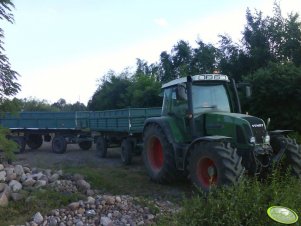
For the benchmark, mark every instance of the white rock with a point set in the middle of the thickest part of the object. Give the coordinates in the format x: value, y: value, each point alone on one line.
x: 90, y: 200
x: 105, y: 221
x: 54, y: 177
x: 1, y: 167
x: 23, y: 177
x: 60, y: 172
x: 17, y: 196
x: 19, y: 170
x: 3, y: 200
x: 40, y: 183
x: 83, y: 185
x: 38, y: 218
x: 37, y: 176
x: 29, y: 182
x: 2, y: 176
x: 15, y: 186
x: 26, y: 169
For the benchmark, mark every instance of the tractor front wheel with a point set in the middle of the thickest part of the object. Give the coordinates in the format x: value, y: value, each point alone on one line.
x: 292, y: 152
x: 158, y: 155
x: 214, y: 164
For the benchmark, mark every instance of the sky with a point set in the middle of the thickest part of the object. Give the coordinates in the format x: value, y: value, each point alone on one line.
x: 61, y: 48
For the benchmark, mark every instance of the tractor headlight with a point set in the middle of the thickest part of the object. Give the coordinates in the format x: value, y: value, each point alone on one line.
x: 252, y: 140
x: 267, y: 139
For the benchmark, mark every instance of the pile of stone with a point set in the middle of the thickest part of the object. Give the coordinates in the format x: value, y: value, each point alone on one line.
x: 16, y: 182
x: 106, y: 210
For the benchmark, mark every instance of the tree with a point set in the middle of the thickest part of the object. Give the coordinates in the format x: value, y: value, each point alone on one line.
x: 111, y: 93
x: 204, y: 59
x: 8, y: 77
x: 277, y: 94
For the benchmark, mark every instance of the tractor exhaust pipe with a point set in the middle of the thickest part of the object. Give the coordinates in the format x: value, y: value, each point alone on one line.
x: 190, y: 107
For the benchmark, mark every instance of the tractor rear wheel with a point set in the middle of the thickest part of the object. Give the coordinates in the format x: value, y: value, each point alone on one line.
x: 34, y: 141
x: 101, y: 147
x: 158, y: 155
x: 214, y: 164
x: 126, y: 151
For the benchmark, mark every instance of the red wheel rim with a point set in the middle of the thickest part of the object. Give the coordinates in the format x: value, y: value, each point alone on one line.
x: 206, y: 172
x: 155, y: 154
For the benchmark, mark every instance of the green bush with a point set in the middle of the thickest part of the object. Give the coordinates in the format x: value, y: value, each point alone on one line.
x: 244, y: 204
x: 276, y: 94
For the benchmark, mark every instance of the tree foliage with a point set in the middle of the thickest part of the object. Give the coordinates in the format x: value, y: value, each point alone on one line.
x: 277, y: 94
x: 8, y: 77
x: 268, y: 56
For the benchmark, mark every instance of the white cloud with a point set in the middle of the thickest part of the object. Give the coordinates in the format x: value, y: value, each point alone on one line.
x: 161, y: 22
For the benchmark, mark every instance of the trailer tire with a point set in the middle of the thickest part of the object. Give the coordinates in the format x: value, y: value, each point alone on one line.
x: 85, y: 145
x: 59, y: 145
x: 34, y: 141
x: 20, y: 142
x: 126, y: 151
x: 101, y: 147
x: 221, y: 161
x: 158, y: 155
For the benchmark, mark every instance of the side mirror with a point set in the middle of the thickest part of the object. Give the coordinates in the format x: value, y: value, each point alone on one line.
x: 245, y: 88
x: 248, y: 91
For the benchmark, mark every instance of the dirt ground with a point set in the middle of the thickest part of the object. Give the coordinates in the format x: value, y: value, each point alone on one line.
x: 74, y: 156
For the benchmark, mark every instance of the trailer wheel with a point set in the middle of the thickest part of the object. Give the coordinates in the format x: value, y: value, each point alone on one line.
x: 85, y: 145
x: 213, y: 164
x: 20, y: 142
x: 59, y: 144
x: 126, y: 151
x: 101, y: 147
x: 34, y: 141
x: 158, y: 155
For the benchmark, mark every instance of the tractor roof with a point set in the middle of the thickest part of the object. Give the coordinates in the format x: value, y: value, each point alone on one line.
x: 202, y: 77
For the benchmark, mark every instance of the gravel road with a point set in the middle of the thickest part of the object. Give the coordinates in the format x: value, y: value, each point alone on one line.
x: 74, y: 156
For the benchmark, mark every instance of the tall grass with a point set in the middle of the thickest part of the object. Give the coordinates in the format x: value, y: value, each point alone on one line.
x: 244, y: 204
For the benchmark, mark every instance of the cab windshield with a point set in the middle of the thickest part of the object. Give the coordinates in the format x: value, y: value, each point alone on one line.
x: 209, y: 97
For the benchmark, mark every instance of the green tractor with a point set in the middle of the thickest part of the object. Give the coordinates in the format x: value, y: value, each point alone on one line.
x: 203, y: 133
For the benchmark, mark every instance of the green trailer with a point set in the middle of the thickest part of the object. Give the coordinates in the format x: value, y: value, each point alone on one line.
x: 121, y: 127
x: 62, y: 128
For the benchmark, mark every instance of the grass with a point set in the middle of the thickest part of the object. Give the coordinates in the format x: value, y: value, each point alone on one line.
x: 125, y: 180
x: 244, y: 204
x: 43, y: 201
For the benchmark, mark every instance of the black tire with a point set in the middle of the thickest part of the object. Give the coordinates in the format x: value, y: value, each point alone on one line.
x: 34, y: 141
x: 126, y: 151
x: 20, y: 142
x: 292, y: 152
x: 85, y: 145
x: 59, y: 145
x: 214, y: 164
x: 158, y: 155
x: 101, y: 147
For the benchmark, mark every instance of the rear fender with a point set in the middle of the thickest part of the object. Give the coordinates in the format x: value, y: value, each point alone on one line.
x: 178, y: 149
x: 279, y: 132
x: 204, y: 139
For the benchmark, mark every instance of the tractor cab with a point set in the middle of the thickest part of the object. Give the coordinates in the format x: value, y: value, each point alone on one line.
x: 189, y: 99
